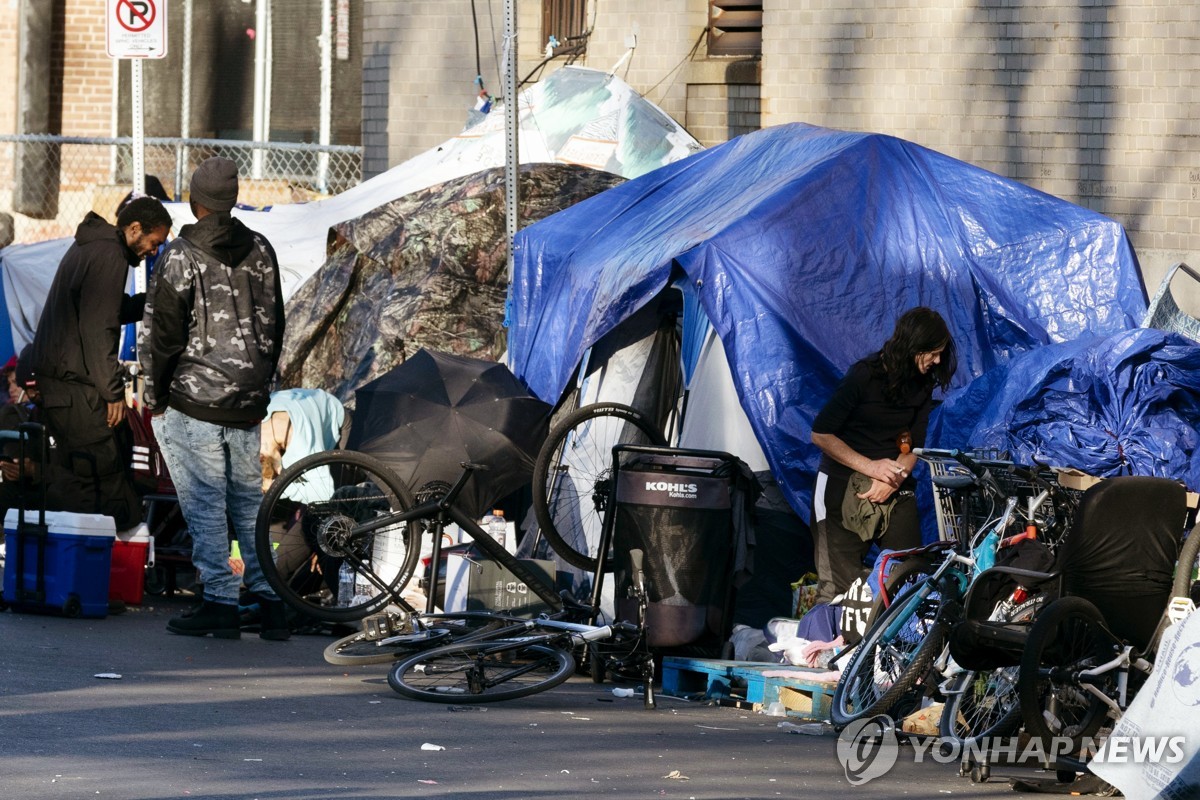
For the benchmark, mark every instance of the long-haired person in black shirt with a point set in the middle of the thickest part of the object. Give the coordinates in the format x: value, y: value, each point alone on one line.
x: 866, y: 431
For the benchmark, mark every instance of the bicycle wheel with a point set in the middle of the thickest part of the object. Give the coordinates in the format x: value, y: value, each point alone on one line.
x: 363, y: 648
x: 893, y: 655
x: 427, y: 631
x: 984, y: 704
x: 1069, y: 635
x: 481, y: 672
x: 304, y: 536
x: 980, y: 706
x: 572, y: 476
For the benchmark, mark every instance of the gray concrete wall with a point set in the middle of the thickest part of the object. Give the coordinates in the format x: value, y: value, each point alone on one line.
x: 419, y: 68
x: 1093, y: 101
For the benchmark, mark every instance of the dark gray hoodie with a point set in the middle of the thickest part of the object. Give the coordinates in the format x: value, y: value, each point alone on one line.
x: 213, y: 325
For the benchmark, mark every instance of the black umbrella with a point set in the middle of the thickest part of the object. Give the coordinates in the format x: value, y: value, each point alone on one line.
x: 434, y: 411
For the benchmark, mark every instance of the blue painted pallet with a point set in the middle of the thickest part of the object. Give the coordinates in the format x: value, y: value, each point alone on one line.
x: 742, y: 680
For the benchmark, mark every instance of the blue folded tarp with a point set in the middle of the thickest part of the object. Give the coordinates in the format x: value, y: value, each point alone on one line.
x: 803, y: 246
x: 1125, y: 404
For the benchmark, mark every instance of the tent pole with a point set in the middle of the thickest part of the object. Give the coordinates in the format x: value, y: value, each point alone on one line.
x: 511, y: 123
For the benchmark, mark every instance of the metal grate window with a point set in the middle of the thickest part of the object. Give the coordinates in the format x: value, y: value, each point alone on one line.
x: 734, y: 28
x: 565, y: 20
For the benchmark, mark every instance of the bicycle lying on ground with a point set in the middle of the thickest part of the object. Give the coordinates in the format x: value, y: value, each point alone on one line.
x: 509, y: 664
x: 338, y: 537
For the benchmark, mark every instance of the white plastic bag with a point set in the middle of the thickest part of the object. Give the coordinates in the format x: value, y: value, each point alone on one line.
x: 1167, y: 707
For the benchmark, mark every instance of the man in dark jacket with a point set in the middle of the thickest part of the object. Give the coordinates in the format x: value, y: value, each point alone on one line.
x: 210, y: 341
x: 74, y: 356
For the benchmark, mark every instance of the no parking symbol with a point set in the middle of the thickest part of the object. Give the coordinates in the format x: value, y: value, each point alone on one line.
x: 136, y: 28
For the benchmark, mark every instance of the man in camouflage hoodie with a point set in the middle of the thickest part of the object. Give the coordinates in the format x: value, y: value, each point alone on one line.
x: 211, y: 337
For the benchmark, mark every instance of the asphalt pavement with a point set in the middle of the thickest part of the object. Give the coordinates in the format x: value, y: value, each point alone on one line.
x: 203, y: 718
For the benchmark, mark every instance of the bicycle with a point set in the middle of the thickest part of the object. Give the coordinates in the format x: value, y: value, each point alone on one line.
x: 338, y: 536
x: 505, y: 666
x: 344, y: 510
x: 906, y: 640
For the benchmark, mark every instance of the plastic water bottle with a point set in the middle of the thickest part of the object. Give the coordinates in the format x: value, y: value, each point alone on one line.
x: 496, y: 526
x: 345, y: 584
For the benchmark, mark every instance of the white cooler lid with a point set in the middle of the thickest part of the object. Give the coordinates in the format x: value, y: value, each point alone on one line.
x: 141, y: 533
x: 66, y: 522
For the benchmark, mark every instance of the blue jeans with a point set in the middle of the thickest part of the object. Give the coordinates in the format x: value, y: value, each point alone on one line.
x: 217, y: 478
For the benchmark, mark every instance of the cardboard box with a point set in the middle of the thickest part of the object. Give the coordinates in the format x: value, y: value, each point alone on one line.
x: 484, y: 585
x: 63, y: 569
x: 130, y: 554
x: 1074, y: 479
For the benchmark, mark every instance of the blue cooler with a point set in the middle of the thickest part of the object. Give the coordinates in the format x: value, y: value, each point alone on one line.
x: 59, y: 566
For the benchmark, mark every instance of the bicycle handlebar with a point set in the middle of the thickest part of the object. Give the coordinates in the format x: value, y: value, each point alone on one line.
x: 983, y: 474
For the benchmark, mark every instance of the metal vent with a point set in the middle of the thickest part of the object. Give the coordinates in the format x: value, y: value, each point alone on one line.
x: 734, y: 28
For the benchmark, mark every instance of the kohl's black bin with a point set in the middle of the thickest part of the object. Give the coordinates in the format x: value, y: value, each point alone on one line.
x: 675, y: 505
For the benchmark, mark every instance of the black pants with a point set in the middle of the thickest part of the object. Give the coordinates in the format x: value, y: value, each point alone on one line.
x: 92, y: 474
x: 840, y: 552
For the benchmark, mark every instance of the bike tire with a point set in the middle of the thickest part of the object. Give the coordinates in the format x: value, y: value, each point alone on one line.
x: 432, y: 630
x: 572, y: 474
x: 301, y: 535
x: 984, y: 704
x: 463, y: 673
x: 362, y: 648
x: 980, y: 706
x: 920, y: 626
x: 1069, y: 632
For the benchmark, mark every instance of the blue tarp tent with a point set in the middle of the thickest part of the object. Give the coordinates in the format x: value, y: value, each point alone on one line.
x: 801, y: 246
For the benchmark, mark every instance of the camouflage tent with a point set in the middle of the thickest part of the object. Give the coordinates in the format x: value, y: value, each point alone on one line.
x: 426, y: 270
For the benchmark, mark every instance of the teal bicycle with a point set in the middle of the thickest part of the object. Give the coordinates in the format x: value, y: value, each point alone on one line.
x: 903, y: 651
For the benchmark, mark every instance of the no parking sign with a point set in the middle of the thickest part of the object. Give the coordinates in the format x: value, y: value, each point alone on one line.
x: 136, y: 28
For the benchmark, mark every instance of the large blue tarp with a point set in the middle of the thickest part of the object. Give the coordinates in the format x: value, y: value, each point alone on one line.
x: 803, y: 246
x: 1125, y: 404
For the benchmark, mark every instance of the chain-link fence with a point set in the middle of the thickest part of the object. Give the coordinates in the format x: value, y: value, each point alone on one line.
x: 56, y: 180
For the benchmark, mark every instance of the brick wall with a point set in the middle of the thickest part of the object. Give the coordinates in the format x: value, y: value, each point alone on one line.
x: 8, y: 64
x: 717, y: 112
x: 87, y: 72
x: 1093, y: 102
x: 665, y: 31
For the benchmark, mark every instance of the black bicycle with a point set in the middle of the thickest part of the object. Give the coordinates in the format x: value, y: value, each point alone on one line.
x: 508, y: 664
x: 339, y: 537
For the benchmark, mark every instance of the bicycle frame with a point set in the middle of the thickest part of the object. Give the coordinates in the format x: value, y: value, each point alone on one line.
x: 440, y: 511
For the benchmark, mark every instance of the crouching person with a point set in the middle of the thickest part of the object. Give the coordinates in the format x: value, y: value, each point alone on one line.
x: 211, y: 337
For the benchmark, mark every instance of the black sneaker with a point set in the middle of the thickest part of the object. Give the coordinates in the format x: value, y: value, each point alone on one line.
x: 217, y: 619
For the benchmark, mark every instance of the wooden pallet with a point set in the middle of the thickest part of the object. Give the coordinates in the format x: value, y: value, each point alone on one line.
x: 748, y: 682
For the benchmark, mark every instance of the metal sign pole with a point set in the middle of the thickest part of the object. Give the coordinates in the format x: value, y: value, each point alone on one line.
x: 512, y: 117
x: 139, y: 153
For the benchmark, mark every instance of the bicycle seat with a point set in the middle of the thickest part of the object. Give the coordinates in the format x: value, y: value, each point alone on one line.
x: 953, y: 482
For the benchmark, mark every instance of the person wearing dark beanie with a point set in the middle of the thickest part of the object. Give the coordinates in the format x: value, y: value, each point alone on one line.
x: 215, y: 184
x: 210, y: 342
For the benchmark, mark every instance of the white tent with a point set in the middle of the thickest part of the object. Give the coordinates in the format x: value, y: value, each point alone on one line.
x: 575, y: 116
